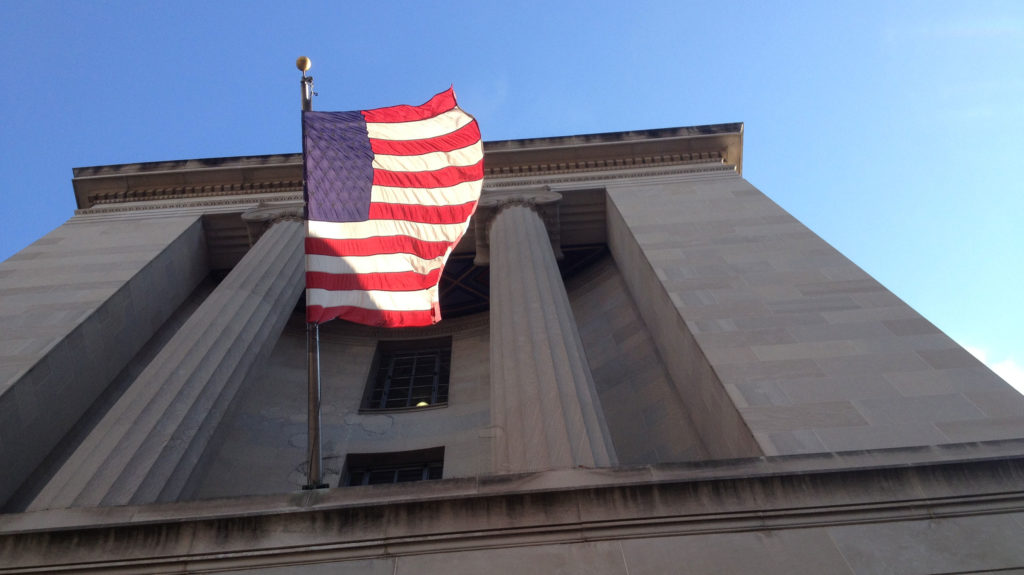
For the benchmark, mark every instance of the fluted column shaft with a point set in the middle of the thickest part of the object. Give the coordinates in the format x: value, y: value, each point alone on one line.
x: 544, y: 406
x: 147, y: 446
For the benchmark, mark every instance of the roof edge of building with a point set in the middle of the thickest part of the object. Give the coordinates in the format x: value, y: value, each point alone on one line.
x: 722, y: 143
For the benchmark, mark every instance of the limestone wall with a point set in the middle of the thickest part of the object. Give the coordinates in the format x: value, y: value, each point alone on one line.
x: 813, y: 353
x: 648, y: 421
x: 76, y: 306
x: 261, y: 446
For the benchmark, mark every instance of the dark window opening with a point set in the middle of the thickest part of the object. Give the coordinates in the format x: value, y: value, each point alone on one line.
x: 409, y: 374
x: 395, y: 467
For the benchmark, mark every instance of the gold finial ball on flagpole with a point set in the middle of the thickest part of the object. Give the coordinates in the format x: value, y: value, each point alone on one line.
x: 303, y: 64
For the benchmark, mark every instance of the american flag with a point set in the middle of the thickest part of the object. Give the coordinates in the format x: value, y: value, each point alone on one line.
x: 389, y: 192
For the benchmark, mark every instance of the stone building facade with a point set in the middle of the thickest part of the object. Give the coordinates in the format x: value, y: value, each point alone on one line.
x: 646, y: 366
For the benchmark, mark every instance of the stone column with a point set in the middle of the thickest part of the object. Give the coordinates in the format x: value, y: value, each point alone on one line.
x: 544, y: 407
x: 147, y: 446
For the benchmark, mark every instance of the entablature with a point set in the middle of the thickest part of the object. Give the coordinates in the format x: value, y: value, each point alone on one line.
x: 230, y: 178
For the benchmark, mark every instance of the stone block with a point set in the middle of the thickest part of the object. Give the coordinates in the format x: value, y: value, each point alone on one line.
x: 599, y: 558
x: 870, y: 314
x: 906, y: 343
x: 834, y: 287
x: 779, y: 321
x: 879, y: 436
x: 910, y: 326
x: 867, y: 331
x: 746, y: 338
x: 721, y: 355
x: 789, y: 552
x: 983, y: 429
x: 815, y: 304
x: 837, y: 388
x: 845, y: 271
x: 794, y: 442
x: 944, y: 381
x: 871, y: 363
x: 953, y: 357
x: 761, y: 393
x: 382, y: 566
x: 769, y: 371
x: 806, y: 350
x: 941, y: 545
x: 767, y: 419
x: 924, y: 410
x: 878, y: 299
x: 1006, y: 402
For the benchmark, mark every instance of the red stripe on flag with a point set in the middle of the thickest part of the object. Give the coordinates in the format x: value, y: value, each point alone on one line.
x: 461, y: 138
x: 439, y: 104
x: 376, y: 245
x: 442, y: 178
x: 327, y: 292
x: 388, y: 281
x: 373, y: 317
x: 422, y: 214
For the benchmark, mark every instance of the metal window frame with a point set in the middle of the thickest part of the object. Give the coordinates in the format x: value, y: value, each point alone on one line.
x: 365, y: 464
x: 382, y: 379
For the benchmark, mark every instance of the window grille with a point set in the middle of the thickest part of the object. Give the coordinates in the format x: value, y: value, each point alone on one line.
x: 409, y: 374
x: 393, y: 467
x: 394, y: 474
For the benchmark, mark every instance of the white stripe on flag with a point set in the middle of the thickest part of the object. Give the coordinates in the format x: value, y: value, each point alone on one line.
x: 384, y: 300
x: 439, y: 125
x: 380, y: 263
x: 467, y: 156
x: 376, y: 228
x: 454, y: 196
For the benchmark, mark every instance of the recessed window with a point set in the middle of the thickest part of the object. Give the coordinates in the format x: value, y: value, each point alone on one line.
x: 409, y: 374
x: 395, y: 467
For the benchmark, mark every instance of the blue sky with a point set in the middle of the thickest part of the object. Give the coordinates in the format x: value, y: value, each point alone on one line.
x: 892, y: 129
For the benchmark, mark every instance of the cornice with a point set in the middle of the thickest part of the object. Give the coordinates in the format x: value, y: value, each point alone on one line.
x: 190, y: 202
x: 617, y: 150
x: 755, y: 495
x: 599, y: 165
x: 589, y: 176
x: 143, y: 194
x: 219, y: 181
x: 536, y: 178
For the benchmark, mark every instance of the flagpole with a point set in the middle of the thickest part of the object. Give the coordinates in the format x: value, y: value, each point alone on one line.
x: 313, y: 475
x: 304, y: 65
x: 314, y: 472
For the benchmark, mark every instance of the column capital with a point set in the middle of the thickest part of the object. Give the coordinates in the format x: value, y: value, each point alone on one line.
x: 259, y: 219
x: 541, y: 200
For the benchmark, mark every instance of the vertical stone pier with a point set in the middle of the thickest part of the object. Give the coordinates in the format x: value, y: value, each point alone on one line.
x: 147, y: 446
x: 75, y: 308
x: 544, y: 407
